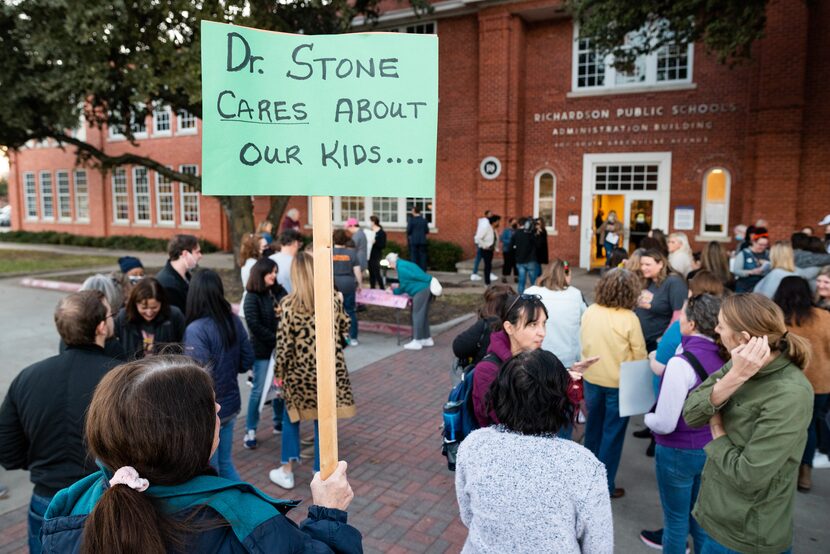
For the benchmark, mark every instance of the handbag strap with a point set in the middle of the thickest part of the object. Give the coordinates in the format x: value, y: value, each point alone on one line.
x: 696, y: 365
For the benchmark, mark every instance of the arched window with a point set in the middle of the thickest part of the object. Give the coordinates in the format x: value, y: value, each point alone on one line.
x: 544, y: 198
x: 714, y: 216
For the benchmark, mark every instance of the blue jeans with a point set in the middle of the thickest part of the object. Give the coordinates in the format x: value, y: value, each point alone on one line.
x: 678, y: 481
x: 477, y: 260
x: 711, y: 547
x: 350, y: 306
x: 605, y: 429
x: 531, y: 269
x: 221, y: 459
x: 291, y: 441
x: 609, y: 248
x: 37, y: 507
x: 252, y: 419
x: 812, y: 437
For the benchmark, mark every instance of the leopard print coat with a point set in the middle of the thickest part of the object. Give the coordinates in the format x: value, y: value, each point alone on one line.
x: 296, y: 364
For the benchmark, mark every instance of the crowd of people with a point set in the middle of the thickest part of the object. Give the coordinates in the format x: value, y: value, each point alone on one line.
x: 739, y: 350
x: 739, y: 347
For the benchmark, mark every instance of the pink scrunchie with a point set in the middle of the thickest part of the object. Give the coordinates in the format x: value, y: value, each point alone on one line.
x: 127, y: 475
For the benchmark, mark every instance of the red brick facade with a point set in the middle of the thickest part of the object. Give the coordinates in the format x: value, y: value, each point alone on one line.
x: 507, y: 89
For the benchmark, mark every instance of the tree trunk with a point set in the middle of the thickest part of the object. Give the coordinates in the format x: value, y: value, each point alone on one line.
x: 277, y: 212
x: 240, y: 213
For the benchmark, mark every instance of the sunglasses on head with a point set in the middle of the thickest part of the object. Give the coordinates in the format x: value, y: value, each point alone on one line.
x: 531, y: 297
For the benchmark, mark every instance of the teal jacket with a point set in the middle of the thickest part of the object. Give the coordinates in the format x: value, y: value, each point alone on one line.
x: 747, y: 490
x: 256, y: 522
x: 412, y: 278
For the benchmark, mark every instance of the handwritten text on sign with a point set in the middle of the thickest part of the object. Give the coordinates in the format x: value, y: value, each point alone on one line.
x: 352, y: 114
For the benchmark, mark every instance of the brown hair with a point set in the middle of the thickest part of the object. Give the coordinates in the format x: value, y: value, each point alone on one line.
x: 249, y: 247
x: 495, y: 298
x: 180, y: 243
x: 555, y: 275
x: 169, y: 444
x: 705, y: 282
x: 618, y: 288
x: 146, y: 289
x: 759, y: 316
x: 340, y: 237
x: 78, y: 315
x: 660, y: 258
x: 715, y: 260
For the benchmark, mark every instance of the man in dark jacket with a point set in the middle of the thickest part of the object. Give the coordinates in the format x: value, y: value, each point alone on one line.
x: 42, y: 416
x: 183, y: 253
x: 417, y: 230
x: 524, y: 247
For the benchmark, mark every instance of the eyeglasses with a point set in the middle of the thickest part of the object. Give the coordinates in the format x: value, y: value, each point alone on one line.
x: 530, y: 297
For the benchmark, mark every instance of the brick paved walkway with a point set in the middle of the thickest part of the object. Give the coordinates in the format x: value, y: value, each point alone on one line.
x: 404, y: 495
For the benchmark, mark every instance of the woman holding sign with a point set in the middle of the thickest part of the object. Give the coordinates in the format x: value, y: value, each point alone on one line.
x: 296, y: 366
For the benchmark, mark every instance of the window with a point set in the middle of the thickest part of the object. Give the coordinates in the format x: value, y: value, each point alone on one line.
x: 164, y: 200
x: 81, y: 196
x: 120, y: 196
x: 187, y: 123
x: 421, y: 28
x: 391, y: 210
x: 162, y: 121
x: 189, y: 198
x: 544, y: 198
x: 139, y: 129
x: 64, y: 197
x: 626, y: 176
x: 141, y: 194
x: 30, y: 195
x: 47, y: 202
x: 715, y: 204
x: 669, y: 65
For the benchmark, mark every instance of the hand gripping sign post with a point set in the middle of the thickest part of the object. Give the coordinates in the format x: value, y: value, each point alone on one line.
x: 319, y: 116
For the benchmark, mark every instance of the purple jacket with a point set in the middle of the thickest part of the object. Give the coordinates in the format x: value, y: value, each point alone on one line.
x: 684, y: 436
x: 485, y: 373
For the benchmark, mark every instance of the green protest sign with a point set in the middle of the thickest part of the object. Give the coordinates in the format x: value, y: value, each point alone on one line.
x: 350, y: 115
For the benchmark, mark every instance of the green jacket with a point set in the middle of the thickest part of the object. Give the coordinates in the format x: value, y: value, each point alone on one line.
x: 747, y: 489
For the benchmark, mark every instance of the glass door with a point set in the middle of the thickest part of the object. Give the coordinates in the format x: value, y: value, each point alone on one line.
x: 639, y: 220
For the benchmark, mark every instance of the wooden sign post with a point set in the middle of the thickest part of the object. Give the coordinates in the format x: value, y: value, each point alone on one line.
x: 321, y: 116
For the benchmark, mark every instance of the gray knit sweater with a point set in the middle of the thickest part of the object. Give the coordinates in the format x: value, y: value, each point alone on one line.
x: 520, y: 493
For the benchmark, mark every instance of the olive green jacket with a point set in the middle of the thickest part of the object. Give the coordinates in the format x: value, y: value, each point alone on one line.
x: 747, y: 489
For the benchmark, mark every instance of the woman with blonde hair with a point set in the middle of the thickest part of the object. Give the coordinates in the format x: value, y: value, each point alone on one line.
x: 296, y: 367
x: 680, y: 253
x: 758, y: 407
x: 662, y: 298
x: 565, y: 304
x: 782, y: 262
x: 611, y: 331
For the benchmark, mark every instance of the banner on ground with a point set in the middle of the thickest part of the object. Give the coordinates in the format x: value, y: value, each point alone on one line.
x: 328, y: 115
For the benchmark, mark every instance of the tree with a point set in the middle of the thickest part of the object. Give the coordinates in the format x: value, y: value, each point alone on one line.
x: 111, y: 62
x: 627, y: 29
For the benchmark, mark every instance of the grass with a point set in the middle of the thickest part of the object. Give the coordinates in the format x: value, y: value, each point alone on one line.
x: 25, y: 261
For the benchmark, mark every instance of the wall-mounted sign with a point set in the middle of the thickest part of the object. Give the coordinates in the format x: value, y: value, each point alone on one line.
x: 490, y: 168
x: 684, y: 218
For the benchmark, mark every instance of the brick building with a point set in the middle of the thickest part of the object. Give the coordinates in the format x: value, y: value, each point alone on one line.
x: 532, y: 122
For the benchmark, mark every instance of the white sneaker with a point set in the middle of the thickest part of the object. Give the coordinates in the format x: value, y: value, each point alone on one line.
x: 281, y: 478
x: 821, y: 461
x: 494, y: 277
x: 427, y: 342
x: 475, y: 277
x: 414, y: 345
x: 353, y: 342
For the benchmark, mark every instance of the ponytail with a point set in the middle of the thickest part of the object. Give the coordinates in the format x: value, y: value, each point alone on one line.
x: 796, y: 348
x: 125, y: 521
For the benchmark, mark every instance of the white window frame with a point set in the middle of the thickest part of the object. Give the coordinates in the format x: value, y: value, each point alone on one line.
x: 160, y: 181
x: 189, y: 195
x: 113, y: 134
x: 81, y: 194
x: 163, y: 132
x: 30, y: 196
x: 186, y: 130
x: 120, y: 196
x: 405, y: 28
x: 44, y: 196
x: 140, y: 198
x: 536, y: 183
x: 704, y: 234
x: 64, y: 196
x: 368, y: 206
x: 610, y: 84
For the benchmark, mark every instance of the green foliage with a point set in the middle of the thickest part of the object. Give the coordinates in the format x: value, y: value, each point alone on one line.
x: 115, y: 242
x: 392, y: 246
x: 443, y: 255
x: 4, y: 187
x: 630, y: 28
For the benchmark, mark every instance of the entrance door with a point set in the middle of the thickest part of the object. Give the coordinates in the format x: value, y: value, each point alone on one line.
x: 635, y: 211
x: 639, y: 218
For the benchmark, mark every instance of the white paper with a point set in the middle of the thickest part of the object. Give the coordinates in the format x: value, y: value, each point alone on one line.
x: 684, y: 218
x: 268, y: 386
x: 636, y: 389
